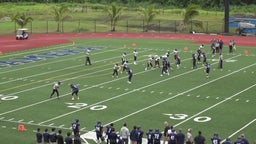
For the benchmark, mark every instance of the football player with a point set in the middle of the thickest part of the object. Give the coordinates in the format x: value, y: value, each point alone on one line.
x: 115, y: 70
x: 135, y: 55
x: 75, y: 127
x: 149, y: 63
x: 130, y: 74
x: 207, y: 69
x: 215, y: 139
x: 75, y: 91
x: 220, y: 62
x: 88, y: 61
x: 99, y: 132
x: 123, y: 58
x: 55, y: 89
x: 165, y: 67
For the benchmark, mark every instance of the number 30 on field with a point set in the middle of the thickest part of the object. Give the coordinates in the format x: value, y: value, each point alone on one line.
x: 81, y: 105
x: 184, y: 116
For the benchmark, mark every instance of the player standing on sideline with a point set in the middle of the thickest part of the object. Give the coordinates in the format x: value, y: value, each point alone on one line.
x: 115, y: 70
x: 227, y: 141
x: 166, y: 128
x: 39, y: 136
x: 220, y: 62
x: 158, y: 137
x: 207, y: 69
x: 189, y: 138
x: 180, y: 137
x: 139, y: 135
x: 108, y: 131
x: 68, y: 139
x: 135, y: 55
x: 75, y: 127
x: 199, y: 139
x: 215, y: 139
x: 99, y: 132
x: 87, y: 56
x: 150, y: 136
x: 130, y: 74
x: 75, y: 91
x: 46, y: 136
x: 55, y: 89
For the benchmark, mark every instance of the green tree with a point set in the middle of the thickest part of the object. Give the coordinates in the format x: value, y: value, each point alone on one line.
x: 190, y: 13
x: 148, y: 15
x: 22, y: 19
x: 114, y: 13
x: 59, y: 15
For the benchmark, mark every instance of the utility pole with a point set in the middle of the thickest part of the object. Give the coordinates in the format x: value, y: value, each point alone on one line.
x: 226, y: 18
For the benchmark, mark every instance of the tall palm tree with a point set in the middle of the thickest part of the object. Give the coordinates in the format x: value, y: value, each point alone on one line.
x: 59, y: 15
x: 114, y: 13
x: 190, y: 13
x: 148, y: 15
x: 22, y: 19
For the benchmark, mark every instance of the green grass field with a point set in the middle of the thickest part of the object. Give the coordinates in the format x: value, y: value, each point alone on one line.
x: 223, y: 103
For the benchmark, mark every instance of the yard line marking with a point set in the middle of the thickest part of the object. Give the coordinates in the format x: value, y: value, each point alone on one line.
x: 160, y: 102
x: 236, y: 94
x: 240, y: 129
x: 27, y: 106
x: 146, y: 87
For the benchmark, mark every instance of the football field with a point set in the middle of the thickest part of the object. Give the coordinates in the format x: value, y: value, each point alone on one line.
x: 222, y: 103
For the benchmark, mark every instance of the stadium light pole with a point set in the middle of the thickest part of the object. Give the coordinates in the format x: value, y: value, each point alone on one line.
x: 226, y: 18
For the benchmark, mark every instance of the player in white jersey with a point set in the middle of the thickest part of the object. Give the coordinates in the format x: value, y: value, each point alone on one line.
x: 55, y: 89
x: 135, y: 55
x: 149, y: 63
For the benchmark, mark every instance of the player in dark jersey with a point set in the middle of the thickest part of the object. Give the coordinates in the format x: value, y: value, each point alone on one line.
x: 172, y: 137
x: 53, y: 136
x: 68, y: 139
x: 46, y: 136
x: 113, y: 137
x: 180, y: 137
x: 75, y: 91
x: 215, y: 139
x: 220, y: 62
x: 199, y: 139
x: 194, y: 61
x: 55, y: 89
x: 150, y: 136
x: 60, y: 139
x: 39, y: 136
x: 165, y: 67
x: 99, y: 131
x: 204, y: 58
x: 133, y: 135
x: 157, y: 137
x: 139, y: 135
x: 130, y: 74
x: 75, y: 127
x: 227, y: 141
x: 115, y: 70
x: 108, y: 131
x: 207, y: 69
x: 178, y: 62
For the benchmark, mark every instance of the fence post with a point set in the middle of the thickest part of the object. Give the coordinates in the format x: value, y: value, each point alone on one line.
x: 159, y: 27
x: 175, y: 24
x: 143, y: 26
x: 207, y: 24
x: 79, y: 21
x: 15, y: 27
x: 31, y: 26
x: 62, y: 26
x: 47, y: 27
x: 95, y: 26
x: 126, y: 25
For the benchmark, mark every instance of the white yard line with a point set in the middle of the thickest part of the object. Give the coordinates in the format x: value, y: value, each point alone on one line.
x: 34, y: 104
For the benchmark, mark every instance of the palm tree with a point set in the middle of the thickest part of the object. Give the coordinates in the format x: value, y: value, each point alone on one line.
x: 114, y: 13
x: 148, y: 15
x: 191, y: 12
x: 59, y: 15
x: 22, y: 19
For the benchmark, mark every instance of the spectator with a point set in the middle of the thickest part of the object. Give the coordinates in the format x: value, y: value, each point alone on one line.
x: 39, y: 136
x: 199, y: 139
x: 124, y: 134
x: 68, y: 139
x: 46, y: 136
x: 60, y: 139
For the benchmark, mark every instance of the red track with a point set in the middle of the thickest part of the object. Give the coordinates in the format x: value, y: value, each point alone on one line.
x: 10, y: 44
